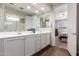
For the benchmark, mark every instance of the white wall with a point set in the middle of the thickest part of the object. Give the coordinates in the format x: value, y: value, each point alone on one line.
x: 52, y: 21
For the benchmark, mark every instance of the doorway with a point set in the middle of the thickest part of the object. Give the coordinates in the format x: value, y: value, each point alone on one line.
x: 61, y: 35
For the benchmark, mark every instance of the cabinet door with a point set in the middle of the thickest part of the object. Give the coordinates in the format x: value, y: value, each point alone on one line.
x: 43, y: 40
x: 1, y: 47
x: 14, y: 47
x: 48, y: 38
x: 37, y: 43
x: 29, y: 45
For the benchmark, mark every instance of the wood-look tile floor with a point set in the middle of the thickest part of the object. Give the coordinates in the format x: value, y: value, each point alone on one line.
x: 53, y: 51
x: 61, y: 43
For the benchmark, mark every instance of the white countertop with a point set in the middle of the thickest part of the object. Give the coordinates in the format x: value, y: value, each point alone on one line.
x: 15, y: 34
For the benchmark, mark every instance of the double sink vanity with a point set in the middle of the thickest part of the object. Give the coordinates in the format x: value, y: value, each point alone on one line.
x: 16, y: 26
x: 23, y: 44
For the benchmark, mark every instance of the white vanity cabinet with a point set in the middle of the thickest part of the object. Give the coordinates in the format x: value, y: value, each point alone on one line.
x: 1, y: 47
x: 14, y: 46
x: 29, y: 45
x: 48, y: 38
x: 37, y: 43
x: 43, y: 40
x: 26, y: 45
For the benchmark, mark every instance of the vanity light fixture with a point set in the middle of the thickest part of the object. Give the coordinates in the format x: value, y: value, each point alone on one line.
x: 12, y: 18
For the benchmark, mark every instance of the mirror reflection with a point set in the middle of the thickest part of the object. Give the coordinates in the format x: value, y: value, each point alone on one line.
x: 13, y: 18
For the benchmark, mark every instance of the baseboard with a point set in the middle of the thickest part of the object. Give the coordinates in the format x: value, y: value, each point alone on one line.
x: 77, y: 54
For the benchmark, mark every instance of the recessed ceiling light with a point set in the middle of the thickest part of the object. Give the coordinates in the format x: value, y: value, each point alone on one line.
x: 36, y: 11
x: 42, y: 8
x: 28, y: 7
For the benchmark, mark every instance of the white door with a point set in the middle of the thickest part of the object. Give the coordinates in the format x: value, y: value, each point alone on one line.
x: 29, y: 45
x: 72, y: 28
x: 14, y: 47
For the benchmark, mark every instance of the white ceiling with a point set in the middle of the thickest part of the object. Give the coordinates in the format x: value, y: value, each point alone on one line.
x: 60, y: 8
x: 31, y: 11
